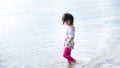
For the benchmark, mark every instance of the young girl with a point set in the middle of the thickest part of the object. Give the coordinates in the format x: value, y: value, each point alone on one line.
x: 69, y: 40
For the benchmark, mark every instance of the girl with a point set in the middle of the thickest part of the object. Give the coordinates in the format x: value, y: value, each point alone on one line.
x: 69, y: 41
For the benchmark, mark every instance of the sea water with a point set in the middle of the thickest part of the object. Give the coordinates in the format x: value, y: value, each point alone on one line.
x: 32, y: 34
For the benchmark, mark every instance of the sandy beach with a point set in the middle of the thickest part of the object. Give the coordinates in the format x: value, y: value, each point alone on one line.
x: 31, y: 34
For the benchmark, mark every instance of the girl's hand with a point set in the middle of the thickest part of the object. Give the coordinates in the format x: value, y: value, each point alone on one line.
x: 72, y: 47
x: 67, y: 43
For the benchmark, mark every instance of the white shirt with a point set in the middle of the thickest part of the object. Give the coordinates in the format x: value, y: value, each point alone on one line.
x: 70, y: 32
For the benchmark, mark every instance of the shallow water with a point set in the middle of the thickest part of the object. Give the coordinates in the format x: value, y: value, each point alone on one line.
x: 31, y: 34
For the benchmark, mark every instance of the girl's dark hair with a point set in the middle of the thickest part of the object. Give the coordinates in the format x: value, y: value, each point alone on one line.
x: 66, y: 17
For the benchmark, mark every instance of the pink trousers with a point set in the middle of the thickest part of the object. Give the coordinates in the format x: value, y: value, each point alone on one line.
x: 67, y: 55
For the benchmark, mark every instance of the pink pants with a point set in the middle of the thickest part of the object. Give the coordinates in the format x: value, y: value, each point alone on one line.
x: 67, y: 55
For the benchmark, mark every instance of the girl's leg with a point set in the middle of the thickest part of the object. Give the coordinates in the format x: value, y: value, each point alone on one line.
x: 67, y: 55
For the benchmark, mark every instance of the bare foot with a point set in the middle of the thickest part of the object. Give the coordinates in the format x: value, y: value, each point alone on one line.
x: 70, y: 65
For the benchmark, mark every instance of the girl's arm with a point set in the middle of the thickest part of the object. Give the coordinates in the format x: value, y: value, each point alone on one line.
x: 70, y: 35
x: 69, y: 40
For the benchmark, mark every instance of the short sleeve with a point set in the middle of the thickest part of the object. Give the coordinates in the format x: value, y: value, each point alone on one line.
x: 71, y: 32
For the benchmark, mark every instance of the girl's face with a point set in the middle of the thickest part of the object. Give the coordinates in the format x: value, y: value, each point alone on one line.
x: 67, y: 22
